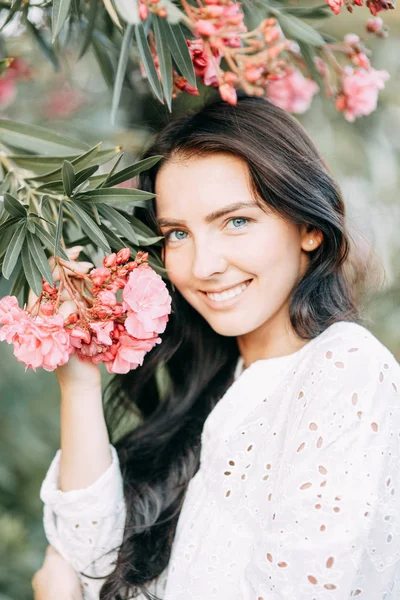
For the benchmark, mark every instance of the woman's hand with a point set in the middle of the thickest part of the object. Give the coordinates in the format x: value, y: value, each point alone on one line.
x: 56, y: 579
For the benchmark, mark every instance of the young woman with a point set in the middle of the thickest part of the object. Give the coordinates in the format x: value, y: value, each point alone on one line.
x: 269, y: 466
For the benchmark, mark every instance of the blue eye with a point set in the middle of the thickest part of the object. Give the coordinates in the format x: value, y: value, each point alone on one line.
x: 238, y: 222
x: 177, y: 232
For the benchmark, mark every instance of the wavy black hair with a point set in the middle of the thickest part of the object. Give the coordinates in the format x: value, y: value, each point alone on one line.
x: 160, y: 454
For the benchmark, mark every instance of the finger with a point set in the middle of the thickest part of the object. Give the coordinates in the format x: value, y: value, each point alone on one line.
x: 74, y: 251
x: 81, y: 267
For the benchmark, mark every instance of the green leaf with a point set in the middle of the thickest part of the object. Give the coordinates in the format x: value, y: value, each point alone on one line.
x: 13, y: 206
x: 68, y: 177
x: 132, y: 170
x: 89, y: 226
x: 60, y: 10
x: 50, y: 242
x: 179, y: 50
x: 44, y: 46
x: 121, y: 224
x: 37, y: 139
x: 15, y: 7
x: 104, y: 58
x: 85, y: 174
x: 113, y: 239
x: 109, y: 195
x: 31, y: 271
x: 296, y: 29
x: 19, y: 280
x: 57, y: 247
x: 93, y: 5
x: 308, y: 12
x: 6, y: 235
x: 142, y: 230
x: 148, y: 62
x: 30, y: 225
x: 164, y: 56
x: 111, y: 173
x: 84, y: 160
x: 39, y: 256
x: 13, y: 250
x: 5, y: 184
x: 121, y: 69
x: 308, y: 53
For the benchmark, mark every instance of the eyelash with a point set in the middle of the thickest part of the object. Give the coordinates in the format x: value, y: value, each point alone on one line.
x: 168, y: 234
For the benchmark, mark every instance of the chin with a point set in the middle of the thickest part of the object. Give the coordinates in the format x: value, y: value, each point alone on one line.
x: 233, y: 329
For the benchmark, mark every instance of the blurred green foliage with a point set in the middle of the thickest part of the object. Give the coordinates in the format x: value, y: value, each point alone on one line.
x: 363, y: 156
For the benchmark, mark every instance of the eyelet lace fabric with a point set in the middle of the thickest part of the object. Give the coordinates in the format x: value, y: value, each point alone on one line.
x: 298, y: 492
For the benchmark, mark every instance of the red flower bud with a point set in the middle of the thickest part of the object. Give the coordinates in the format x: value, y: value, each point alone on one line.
x: 117, y: 311
x: 131, y: 265
x: 123, y: 255
x: 71, y: 319
x: 143, y: 11
x: 47, y: 309
x: 110, y: 260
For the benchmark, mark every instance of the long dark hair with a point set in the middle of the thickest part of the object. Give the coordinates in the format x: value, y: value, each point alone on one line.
x: 160, y: 455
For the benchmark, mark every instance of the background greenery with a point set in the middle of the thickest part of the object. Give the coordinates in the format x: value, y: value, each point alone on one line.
x: 363, y: 156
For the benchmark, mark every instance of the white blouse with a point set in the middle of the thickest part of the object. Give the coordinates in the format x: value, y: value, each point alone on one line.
x: 298, y: 492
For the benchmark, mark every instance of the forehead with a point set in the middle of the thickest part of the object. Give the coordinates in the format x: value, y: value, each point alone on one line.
x: 190, y: 188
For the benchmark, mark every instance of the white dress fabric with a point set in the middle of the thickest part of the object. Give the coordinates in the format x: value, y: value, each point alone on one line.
x: 298, y: 492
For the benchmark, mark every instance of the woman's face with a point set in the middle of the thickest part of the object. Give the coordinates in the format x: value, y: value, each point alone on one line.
x: 234, y: 262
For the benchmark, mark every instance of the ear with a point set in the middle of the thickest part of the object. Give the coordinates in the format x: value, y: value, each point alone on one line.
x: 311, y: 239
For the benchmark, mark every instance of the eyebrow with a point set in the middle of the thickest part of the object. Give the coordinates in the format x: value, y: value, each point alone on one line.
x: 216, y: 214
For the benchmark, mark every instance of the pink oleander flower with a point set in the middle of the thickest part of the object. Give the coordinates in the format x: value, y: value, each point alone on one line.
x: 102, y: 330
x: 147, y: 301
x: 42, y: 342
x: 359, y: 94
x: 129, y: 353
x: 293, y: 92
x: 204, y: 64
x: 99, y: 275
x: 107, y: 298
x: 10, y: 310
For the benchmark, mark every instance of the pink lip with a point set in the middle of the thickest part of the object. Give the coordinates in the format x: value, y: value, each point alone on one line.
x: 219, y: 291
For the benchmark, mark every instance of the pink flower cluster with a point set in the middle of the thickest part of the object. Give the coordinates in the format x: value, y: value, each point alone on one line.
x: 17, y: 71
x: 119, y: 334
x: 374, y: 6
x: 359, y: 93
x: 293, y: 92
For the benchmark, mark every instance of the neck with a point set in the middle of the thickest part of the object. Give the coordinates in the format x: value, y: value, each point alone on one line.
x: 272, y: 339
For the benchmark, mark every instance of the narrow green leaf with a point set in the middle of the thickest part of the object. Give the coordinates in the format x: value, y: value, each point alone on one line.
x: 37, y: 139
x: 296, y: 29
x: 44, y: 46
x: 39, y: 256
x: 68, y: 177
x: 89, y: 226
x: 5, y: 184
x: 15, y: 7
x: 308, y: 12
x: 30, y: 225
x: 19, y: 280
x: 309, y: 53
x: 84, y: 160
x: 121, y: 224
x: 132, y: 170
x: 110, y: 195
x: 121, y: 69
x: 14, y: 250
x: 50, y: 241
x: 13, y: 206
x: 148, y: 62
x: 104, y: 59
x: 164, y: 56
x: 91, y: 17
x: 111, y: 173
x: 85, y: 174
x: 142, y: 229
x: 59, y: 229
x: 31, y: 271
x: 179, y: 49
x: 10, y: 222
x: 5, y: 238
x: 60, y: 10
x: 113, y: 239
x: 51, y: 186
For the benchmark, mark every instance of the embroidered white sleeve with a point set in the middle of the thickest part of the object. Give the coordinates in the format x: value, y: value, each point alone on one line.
x: 84, y: 525
x: 336, y: 499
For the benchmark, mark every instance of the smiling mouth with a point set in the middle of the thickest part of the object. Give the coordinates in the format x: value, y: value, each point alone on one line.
x: 228, y: 294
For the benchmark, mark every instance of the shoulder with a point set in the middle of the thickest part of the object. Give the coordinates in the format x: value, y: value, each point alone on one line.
x: 348, y: 354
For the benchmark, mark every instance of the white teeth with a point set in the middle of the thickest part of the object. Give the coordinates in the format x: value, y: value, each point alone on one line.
x: 229, y: 293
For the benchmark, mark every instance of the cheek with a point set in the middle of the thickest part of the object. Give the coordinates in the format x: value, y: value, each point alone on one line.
x: 177, y: 266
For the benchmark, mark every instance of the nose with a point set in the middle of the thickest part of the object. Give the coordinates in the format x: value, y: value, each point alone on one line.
x: 208, y: 260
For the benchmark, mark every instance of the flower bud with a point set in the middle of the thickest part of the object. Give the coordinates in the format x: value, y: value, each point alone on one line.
x: 230, y: 77
x: 49, y: 289
x: 143, y: 11
x: 228, y: 93
x: 252, y: 74
x: 71, y: 319
x: 205, y: 28
x: 99, y: 275
x: 162, y: 13
x: 110, y: 260
x: 117, y: 311
x: 47, y: 309
x: 107, y: 298
x: 131, y: 265
x: 123, y: 255
x: 104, y: 312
